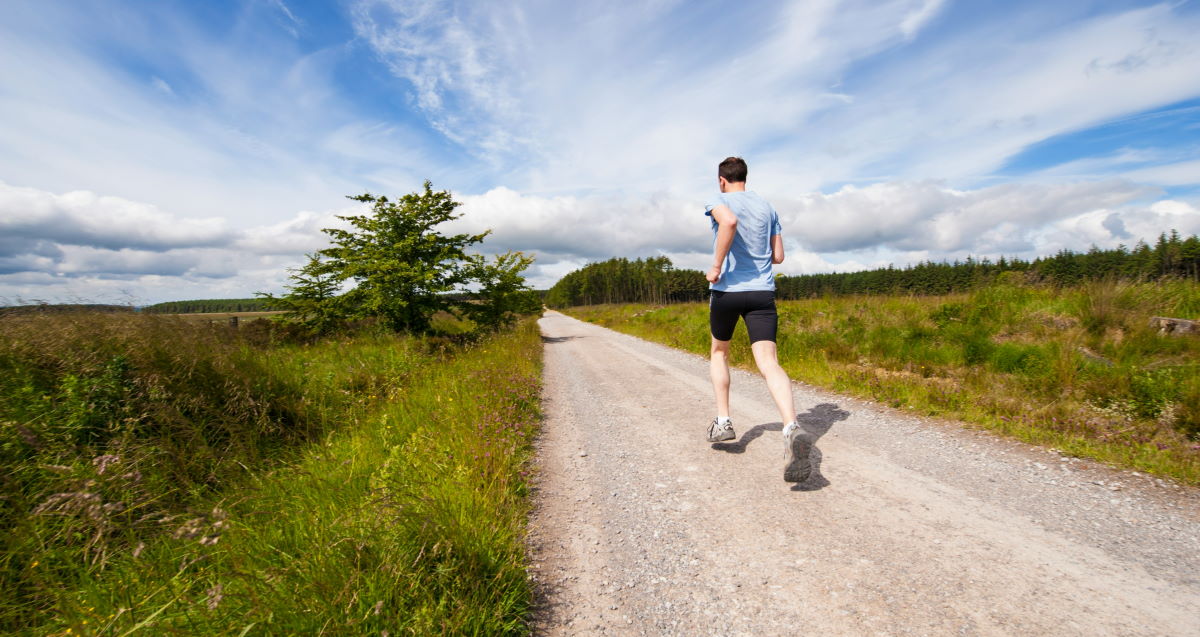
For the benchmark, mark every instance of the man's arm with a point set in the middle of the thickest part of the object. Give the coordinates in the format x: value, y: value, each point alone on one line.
x: 777, y: 249
x: 726, y: 229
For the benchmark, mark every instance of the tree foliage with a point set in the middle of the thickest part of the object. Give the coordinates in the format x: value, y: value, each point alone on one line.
x: 212, y: 305
x: 503, y: 293
x: 402, y: 267
x: 402, y: 270
x: 651, y: 280
x: 312, y: 300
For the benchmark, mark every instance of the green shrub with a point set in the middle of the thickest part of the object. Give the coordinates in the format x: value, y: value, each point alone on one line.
x: 1011, y: 358
x: 242, y: 490
x: 947, y: 313
x: 1151, y: 391
x: 111, y: 426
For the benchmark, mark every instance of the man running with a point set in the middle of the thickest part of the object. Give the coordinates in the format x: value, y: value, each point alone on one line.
x: 747, y: 241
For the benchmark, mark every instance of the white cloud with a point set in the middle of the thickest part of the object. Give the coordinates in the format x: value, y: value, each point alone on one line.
x: 583, y: 96
x: 287, y: 13
x: 102, y: 258
x: 80, y: 245
x: 594, y: 227
x: 919, y: 17
x: 932, y: 216
x: 580, y: 98
x: 84, y: 218
x: 958, y: 109
x: 1182, y: 173
x: 249, y: 130
x: 299, y: 235
x: 162, y: 85
x: 854, y: 228
x: 589, y: 130
x: 459, y: 78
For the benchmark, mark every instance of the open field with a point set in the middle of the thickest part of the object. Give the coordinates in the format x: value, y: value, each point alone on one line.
x: 224, y: 316
x: 1080, y: 370
x: 159, y: 479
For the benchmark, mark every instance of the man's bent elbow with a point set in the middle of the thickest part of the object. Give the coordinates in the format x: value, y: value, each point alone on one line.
x: 777, y: 259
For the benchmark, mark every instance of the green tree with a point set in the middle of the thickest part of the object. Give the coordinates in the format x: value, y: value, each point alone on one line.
x: 503, y: 293
x: 404, y: 271
x: 402, y: 266
x: 312, y: 299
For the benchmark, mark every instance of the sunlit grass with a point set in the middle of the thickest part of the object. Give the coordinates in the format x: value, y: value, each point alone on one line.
x: 1080, y: 370
x: 397, y: 505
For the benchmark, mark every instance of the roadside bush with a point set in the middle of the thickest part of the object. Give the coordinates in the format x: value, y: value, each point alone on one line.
x: 408, y: 521
x: 1011, y: 358
x: 112, y: 424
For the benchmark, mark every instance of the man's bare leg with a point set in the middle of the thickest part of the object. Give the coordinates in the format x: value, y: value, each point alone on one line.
x: 767, y: 359
x: 718, y: 369
x: 797, y: 446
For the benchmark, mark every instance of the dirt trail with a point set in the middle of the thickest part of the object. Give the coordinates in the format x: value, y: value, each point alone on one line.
x: 907, y: 526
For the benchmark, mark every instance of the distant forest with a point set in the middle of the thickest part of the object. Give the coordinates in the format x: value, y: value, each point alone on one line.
x: 63, y: 308
x: 652, y: 280
x: 210, y: 305
x: 655, y: 280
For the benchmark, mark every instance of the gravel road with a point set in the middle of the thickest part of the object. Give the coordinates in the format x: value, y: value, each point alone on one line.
x: 908, y: 526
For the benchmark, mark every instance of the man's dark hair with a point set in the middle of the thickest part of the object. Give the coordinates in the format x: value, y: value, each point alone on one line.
x: 733, y: 169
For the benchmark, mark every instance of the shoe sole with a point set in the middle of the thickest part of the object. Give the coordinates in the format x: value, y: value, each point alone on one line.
x: 798, y: 466
x: 725, y: 435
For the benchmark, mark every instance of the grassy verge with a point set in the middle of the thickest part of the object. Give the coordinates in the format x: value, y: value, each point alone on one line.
x: 378, y: 489
x: 1080, y: 370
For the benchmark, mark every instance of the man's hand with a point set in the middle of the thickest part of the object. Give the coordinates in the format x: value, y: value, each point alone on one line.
x: 714, y: 274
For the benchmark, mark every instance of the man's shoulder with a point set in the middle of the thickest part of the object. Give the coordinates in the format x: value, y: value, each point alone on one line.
x: 716, y: 199
x: 753, y: 202
x: 752, y: 195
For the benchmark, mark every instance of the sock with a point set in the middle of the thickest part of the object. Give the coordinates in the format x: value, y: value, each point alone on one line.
x: 788, y: 427
x: 722, y: 420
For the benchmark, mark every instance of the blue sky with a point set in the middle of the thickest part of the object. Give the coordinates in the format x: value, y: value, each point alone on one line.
x: 155, y: 151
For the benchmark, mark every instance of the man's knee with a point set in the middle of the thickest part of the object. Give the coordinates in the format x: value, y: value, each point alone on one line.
x: 719, y: 348
x: 765, y: 353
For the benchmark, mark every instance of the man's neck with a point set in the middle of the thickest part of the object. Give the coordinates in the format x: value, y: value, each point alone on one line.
x: 734, y: 186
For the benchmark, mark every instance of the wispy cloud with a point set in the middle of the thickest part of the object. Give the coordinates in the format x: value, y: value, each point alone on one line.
x: 1184, y: 173
x: 293, y: 23
x: 919, y: 17
x: 580, y: 130
x: 1005, y: 89
x: 818, y: 93
x: 252, y: 132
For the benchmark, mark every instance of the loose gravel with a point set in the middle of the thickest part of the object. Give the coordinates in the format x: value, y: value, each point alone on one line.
x: 908, y: 525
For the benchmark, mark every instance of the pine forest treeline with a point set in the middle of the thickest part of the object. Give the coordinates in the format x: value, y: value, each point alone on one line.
x: 211, y: 305
x: 652, y: 280
x: 655, y: 280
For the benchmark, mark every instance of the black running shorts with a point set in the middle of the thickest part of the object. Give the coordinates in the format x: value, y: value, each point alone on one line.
x: 757, y: 308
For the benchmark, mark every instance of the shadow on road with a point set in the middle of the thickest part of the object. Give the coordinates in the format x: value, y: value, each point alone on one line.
x: 559, y: 339
x: 816, y: 422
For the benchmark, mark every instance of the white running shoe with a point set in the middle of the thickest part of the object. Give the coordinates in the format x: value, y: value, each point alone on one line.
x: 718, y: 432
x: 797, y: 449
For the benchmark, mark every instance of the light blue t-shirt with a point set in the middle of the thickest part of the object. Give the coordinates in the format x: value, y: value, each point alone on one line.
x: 748, y: 265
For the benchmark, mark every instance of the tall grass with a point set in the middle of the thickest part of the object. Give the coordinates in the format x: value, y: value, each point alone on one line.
x: 161, y: 478
x: 1079, y: 369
